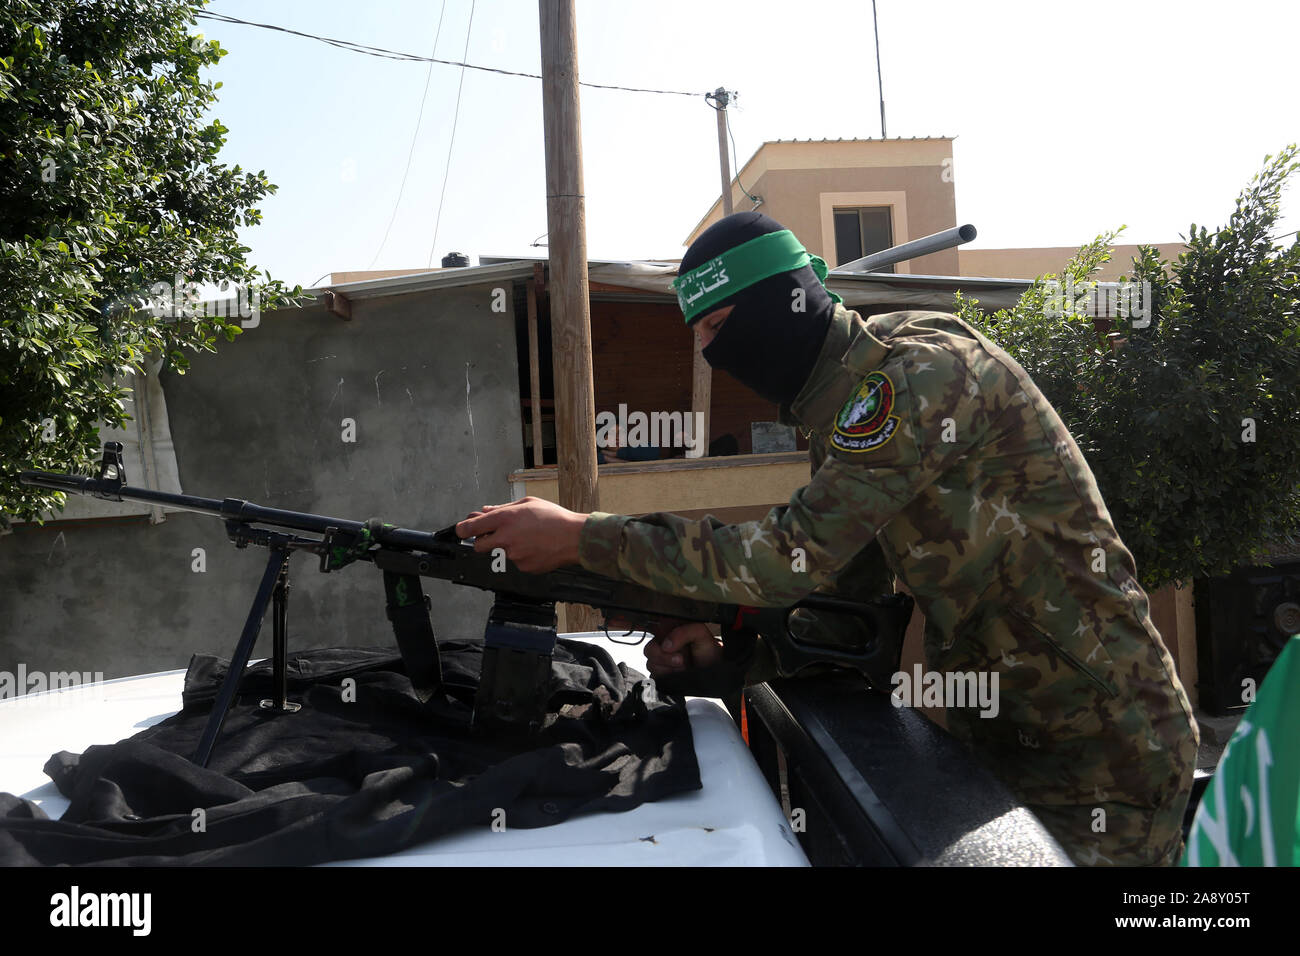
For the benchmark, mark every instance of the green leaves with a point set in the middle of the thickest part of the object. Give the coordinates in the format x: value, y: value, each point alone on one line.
x: 109, y: 184
x: 1191, y: 428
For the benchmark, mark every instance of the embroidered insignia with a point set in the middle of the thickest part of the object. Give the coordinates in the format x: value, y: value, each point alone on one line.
x: 865, y: 423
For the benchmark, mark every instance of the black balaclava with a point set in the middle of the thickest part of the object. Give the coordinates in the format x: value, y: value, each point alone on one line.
x: 765, y: 343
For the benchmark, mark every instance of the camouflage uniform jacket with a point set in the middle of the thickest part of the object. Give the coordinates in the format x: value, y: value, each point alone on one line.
x: 931, y: 439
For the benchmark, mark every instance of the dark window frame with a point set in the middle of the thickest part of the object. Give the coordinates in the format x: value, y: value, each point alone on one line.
x: 848, y: 249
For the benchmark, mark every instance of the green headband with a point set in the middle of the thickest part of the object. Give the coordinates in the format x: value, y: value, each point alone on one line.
x: 742, y: 266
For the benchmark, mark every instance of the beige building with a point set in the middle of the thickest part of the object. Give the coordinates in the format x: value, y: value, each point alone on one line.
x: 1031, y: 263
x: 848, y: 198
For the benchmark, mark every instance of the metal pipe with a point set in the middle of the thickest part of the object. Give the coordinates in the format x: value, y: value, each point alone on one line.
x: 910, y: 250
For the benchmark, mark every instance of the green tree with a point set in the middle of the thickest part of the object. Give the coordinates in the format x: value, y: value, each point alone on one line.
x: 1190, y: 423
x: 109, y: 184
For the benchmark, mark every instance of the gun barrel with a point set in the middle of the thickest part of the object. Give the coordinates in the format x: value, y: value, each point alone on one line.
x: 72, y: 484
x: 910, y: 250
x: 116, y: 491
x: 229, y: 508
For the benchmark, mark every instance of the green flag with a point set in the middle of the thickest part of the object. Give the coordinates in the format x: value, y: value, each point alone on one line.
x: 1248, y: 816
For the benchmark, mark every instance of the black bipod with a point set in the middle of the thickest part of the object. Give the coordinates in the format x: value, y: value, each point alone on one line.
x: 274, y: 589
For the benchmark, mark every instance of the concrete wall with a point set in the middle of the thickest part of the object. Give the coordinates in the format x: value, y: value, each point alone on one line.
x: 430, y: 380
x: 1032, y: 263
x: 684, y: 485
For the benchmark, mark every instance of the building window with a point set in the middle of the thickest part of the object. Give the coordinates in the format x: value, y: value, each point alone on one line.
x: 860, y: 232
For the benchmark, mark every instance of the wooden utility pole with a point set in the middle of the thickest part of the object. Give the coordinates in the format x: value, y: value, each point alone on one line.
x: 566, y: 219
x: 535, y: 286
x: 722, y: 97
x: 702, y: 377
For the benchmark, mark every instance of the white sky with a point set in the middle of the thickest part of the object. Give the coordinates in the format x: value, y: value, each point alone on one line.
x: 1070, y: 118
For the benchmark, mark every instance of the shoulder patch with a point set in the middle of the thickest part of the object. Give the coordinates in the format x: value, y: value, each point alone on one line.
x: 866, y: 422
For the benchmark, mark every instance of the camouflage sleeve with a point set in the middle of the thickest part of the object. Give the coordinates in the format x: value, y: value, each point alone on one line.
x: 801, y: 546
x: 770, y: 562
x: 866, y: 575
x: 868, y: 572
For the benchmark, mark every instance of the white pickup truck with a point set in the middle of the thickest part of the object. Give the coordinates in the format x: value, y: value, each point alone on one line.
x: 821, y: 770
x: 832, y: 774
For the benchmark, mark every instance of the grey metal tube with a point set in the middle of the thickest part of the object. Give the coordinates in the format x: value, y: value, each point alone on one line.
x: 229, y: 508
x: 910, y: 250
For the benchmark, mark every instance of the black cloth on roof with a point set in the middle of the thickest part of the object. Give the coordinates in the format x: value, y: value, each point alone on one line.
x: 343, y: 778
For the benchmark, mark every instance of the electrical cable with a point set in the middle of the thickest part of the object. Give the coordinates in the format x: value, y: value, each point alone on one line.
x: 419, y: 117
x: 411, y: 57
x: 726, y: 117
x: 385, y: 53
x: 757, y: 201
x: 446, y: 173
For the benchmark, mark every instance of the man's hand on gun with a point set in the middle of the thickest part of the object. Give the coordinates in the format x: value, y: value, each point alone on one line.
x: 675, y: 646
x: 537, y: 535
x: 685, y: 647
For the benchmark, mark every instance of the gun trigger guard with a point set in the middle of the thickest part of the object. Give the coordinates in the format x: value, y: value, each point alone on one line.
x: 604, y: 627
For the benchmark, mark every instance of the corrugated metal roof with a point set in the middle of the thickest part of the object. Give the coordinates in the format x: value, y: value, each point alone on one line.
x: 424, y: 281
x: 656, y: 278
x: 867, y: 139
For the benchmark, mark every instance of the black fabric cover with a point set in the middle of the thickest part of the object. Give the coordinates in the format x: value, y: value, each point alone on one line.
x: 341, y: 779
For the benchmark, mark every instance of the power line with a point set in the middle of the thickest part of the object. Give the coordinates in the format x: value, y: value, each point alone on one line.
x: 419, y: 117
x: 880, y: 78
x: 411, y: 57
x: 446, y: 173
x: 756, y: 200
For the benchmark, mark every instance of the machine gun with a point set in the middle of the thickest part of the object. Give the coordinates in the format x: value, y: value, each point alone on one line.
x: 521, y: 628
